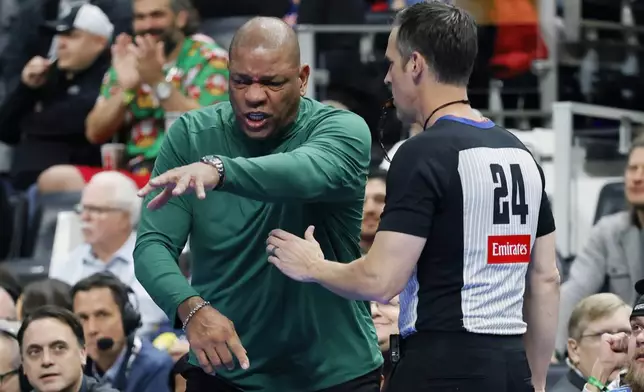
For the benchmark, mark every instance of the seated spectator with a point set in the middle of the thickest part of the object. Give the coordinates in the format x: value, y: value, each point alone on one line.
x: 610, y: 356
x: 109, y: 211
x: 7, y: 306
x: 43, y: 292
x: 110, y: 320
x: 160, y: 73
x: 592, y: 317
x: 62, y: 92
x: 9, y: 362
x: 385, y: 319
x: 25, y: 41
x: 374, y: 204
x: 612, y: 259
x: 53, y: 353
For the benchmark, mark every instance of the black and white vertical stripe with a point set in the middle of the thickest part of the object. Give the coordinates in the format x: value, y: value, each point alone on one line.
x: 492, y: 294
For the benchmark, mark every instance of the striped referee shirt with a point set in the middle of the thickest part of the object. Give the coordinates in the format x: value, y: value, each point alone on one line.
x: 475, y: 192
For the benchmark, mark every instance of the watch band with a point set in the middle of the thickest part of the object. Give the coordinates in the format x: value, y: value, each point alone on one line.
x: 217, y: 163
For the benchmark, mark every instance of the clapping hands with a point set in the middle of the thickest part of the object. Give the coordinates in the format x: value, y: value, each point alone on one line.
x: 138, y: 61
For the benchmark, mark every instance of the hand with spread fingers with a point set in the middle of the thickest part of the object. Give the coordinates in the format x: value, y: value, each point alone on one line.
x: 197, y: 177
x: 296, y: 257
x: 151, y: 57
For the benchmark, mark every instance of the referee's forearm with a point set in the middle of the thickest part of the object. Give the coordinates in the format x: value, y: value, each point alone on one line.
x: 541, y: 311
x: 351, y: 280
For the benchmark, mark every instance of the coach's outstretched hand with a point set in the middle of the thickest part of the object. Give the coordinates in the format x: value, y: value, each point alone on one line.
x: 197, y: 177
x: 214, y: 341
x: 297, y: 258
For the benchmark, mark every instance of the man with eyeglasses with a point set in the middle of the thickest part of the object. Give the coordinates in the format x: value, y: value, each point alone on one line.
x: 109, y: 211
x: 624, y: 350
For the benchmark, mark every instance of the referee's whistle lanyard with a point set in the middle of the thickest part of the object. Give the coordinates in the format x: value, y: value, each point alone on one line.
x: 443, y: 106
x: 389, y: 104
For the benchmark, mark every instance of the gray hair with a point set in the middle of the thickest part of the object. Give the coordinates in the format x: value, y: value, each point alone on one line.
x: 124, y: 193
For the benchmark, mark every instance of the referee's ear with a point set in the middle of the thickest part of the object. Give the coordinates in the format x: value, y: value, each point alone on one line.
x: 418, y: 64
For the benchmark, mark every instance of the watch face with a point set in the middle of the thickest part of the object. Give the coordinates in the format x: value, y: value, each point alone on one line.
x: 163, y: 90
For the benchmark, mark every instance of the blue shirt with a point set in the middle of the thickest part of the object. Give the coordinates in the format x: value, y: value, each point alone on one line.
x: 82, y: 262
x: 110, y: 375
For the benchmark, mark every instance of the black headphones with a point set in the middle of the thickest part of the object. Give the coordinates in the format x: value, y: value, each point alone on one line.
x: 129, y: 313
x: 23, y: 381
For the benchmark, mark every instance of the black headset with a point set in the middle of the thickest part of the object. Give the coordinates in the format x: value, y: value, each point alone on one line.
x: 23, y: 381
x: 129, y: 312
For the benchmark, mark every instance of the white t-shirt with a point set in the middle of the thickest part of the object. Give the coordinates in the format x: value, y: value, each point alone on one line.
x: 384, y: 165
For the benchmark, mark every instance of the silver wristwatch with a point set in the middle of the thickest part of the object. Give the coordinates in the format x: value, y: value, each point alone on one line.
x: 163, y: 90
x: 214, y: 161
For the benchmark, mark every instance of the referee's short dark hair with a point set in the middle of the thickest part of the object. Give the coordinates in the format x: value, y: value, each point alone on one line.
x: 445, y: 35
x: 53, y: 312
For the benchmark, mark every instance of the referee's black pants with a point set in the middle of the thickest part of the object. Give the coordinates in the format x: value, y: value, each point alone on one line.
x: 460, y: 361
x: 199, y: 381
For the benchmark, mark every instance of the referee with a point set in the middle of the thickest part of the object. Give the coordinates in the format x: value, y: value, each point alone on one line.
x: 467, y: 235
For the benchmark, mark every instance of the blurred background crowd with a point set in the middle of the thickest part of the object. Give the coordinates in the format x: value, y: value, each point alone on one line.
x: 75, y: 147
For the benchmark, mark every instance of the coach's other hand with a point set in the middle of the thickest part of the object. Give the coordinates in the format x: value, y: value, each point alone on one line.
x: 297, y: 258
x: 213, y: 339
x: 197, y: 177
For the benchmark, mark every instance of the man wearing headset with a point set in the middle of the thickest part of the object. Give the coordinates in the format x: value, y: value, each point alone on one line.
x: 115, y: 355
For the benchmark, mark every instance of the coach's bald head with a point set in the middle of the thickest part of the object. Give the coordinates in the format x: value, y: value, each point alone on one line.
x: 263, y: 33
x: 266, y: 78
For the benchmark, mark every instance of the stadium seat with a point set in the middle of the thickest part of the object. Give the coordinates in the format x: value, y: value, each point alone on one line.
x: 555, y: 372
x: 27, y: 270
x: 68, y: 236
x: 49, y: 208
x: 611, y: 200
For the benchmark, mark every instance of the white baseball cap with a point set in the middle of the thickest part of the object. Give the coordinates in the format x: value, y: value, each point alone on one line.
x: 86, y: 17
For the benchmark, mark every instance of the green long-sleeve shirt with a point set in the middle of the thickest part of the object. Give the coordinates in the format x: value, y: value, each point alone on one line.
x: 299, y: 336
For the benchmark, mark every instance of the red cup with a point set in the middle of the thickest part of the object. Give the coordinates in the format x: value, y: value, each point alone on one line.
x: 112, y: 155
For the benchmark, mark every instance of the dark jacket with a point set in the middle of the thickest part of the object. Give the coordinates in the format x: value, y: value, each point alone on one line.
x: 50, y: 123
x: 150, y: 371
x: 571, y: 382
x: 91, y: 385
x: 26, y: 41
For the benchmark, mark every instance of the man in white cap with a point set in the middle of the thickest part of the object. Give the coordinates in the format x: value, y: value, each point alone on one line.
x: 62, y: 90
